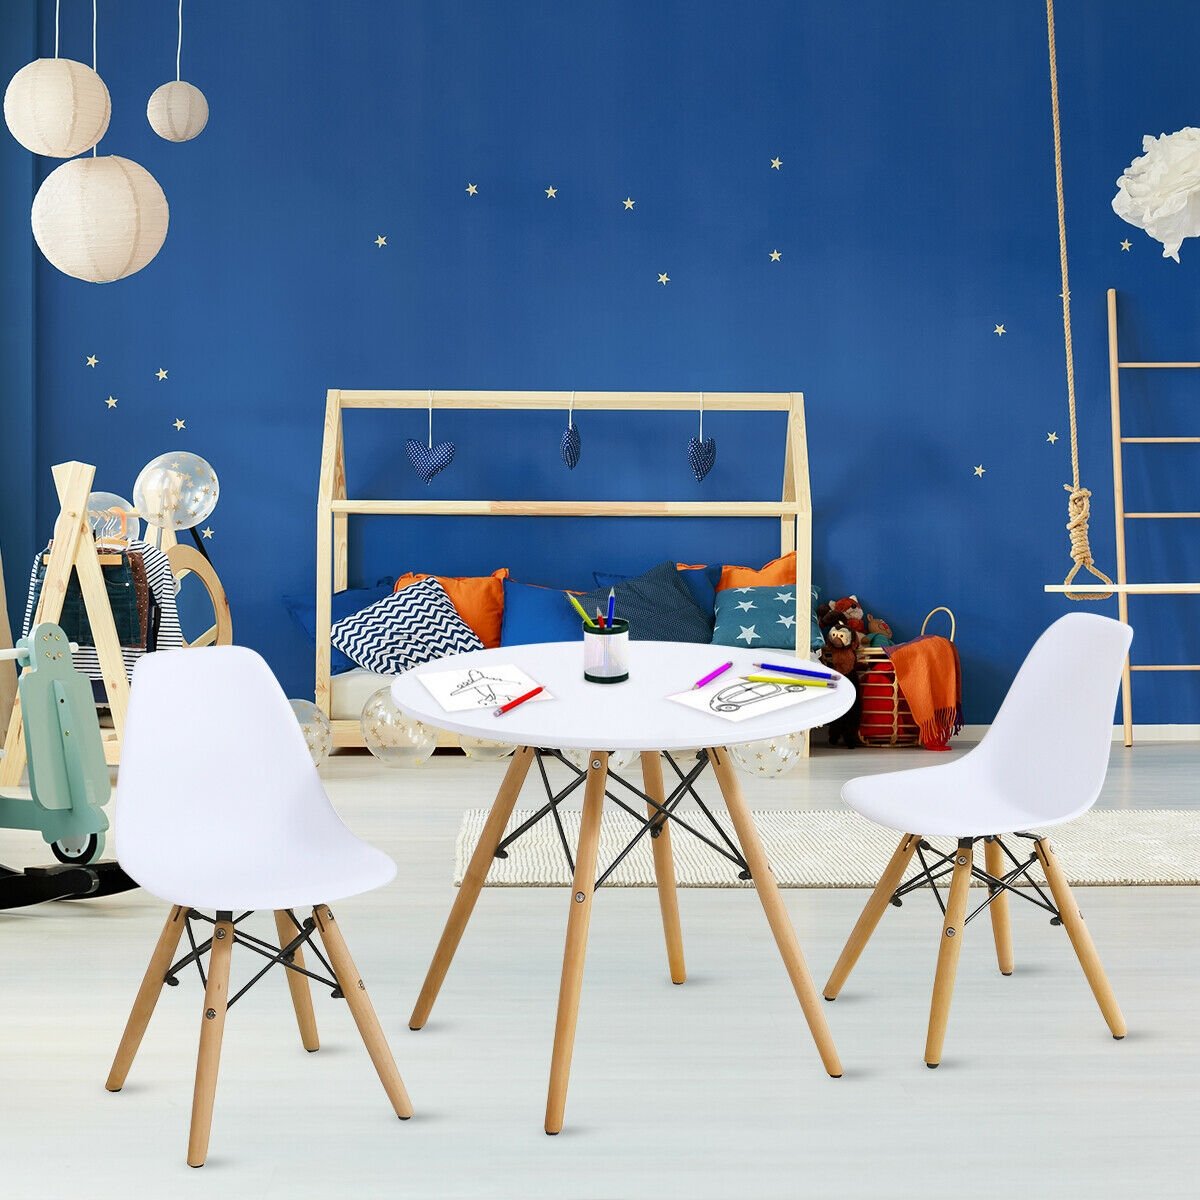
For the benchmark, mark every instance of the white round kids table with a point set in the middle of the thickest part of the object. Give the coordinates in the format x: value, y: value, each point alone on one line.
x: 599, y: 718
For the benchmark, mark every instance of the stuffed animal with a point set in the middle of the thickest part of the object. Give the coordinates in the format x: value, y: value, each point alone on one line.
x: 841, y: 653
x: 879, y: 632
x: 852, y: 611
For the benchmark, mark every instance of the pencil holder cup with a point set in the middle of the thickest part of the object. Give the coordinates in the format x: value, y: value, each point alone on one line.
x: 606, y: 653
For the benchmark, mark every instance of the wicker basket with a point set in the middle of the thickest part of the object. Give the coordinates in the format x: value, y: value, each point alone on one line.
x: 886, y: 719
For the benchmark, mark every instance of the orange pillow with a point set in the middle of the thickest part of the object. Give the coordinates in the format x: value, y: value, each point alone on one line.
x: 479, y: 599
x: 777, y: 571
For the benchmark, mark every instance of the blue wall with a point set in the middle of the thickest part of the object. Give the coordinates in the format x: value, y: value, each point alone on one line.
x: 914, y: 211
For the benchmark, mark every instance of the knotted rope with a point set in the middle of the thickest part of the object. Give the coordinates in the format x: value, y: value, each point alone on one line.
x: 1079, y: 504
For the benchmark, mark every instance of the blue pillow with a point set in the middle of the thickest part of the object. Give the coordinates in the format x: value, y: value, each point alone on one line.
x: 658, y: 606
x: 303, y: 610
x: 758, y: 618
x: 701, y: 583
x: 537, y: 614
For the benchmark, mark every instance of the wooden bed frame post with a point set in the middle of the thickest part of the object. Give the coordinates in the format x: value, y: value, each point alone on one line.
x: 793, y: 509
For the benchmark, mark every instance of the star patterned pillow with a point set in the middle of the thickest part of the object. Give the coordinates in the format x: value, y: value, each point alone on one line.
x: 757, y: 618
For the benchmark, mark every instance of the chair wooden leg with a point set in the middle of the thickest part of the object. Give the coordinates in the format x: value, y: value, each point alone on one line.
x: 146, y: 999
x: 664, y: 867
x: 575, y: 950
x: 889, y: 881
x: 1077, y: 931
x: 948, y: 951
x: 993, y: 859
x: 776, y: 911
x: 212, y: 1028
x: 362, y: 1010
x: 472, y: 884
x: 306, y: 1019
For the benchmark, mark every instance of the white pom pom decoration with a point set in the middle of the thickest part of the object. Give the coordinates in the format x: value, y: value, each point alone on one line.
x: 100, y: 219
x: 177, y: 111
x: 57, y: 107
x: 1160, y: 191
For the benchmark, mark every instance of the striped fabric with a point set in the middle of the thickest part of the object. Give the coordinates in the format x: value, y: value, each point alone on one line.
x: 412, y: 626
x: 161, y: 580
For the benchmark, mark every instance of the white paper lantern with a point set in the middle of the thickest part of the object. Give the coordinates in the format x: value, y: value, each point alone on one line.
x: 1160, y: 191
x: 177, y: 111
x: 100, y: 219
x: 57, y: 107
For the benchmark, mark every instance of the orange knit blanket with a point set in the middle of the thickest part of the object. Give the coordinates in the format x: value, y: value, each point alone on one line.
x: 930, y: 676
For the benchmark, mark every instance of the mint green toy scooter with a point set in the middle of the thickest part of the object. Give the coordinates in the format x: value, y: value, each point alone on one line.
x: 68, y: 778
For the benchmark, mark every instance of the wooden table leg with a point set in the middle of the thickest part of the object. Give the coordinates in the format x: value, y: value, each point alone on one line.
x: 993, y: 860
x: 881, y: 897
x: 664, y: 866
x: 212, y: 1029
x: 773, y: 906
x: 146, y: 999
x: 472, y: 884
x: 948, y: 952
x: 1077, y: 931
x: 577, y: 932
x: 306, y: 1019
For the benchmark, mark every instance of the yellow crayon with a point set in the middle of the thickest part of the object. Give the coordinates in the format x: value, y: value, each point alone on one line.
x: 580, y: 609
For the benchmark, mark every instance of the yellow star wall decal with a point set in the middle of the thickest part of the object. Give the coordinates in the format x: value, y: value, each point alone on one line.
x: 1052, y: 438
x: 551, y: 193
x: 776, y: 163
x: 999, y: 331
x: 160, y: 374
x: 92, y: 360
x: 629, y: 203
x: 381, y: 241
x: 206, y: 532
x: 472, y: 190
x: 980, y: 471
x: 179, y: 424
x: 664, y: 279
x: 111, y: 402
x: 775, y: 255
x: 1126, y: 245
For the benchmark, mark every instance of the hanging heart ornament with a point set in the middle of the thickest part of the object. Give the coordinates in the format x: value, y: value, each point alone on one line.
x: 571, y: 444
x: 701, y: 453
x: 427, y: 461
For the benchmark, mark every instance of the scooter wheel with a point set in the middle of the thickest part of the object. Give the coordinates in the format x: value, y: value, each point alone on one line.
x: 78, y: 851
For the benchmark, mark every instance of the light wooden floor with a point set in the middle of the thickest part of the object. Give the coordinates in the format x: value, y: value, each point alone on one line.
x: 712, y: 1089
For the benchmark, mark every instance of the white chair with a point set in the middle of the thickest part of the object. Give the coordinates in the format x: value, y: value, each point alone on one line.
x: 1042, y: 763
x: 219, y: 808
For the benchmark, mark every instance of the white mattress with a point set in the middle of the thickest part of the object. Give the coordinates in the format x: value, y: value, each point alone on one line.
x: 351, y: 690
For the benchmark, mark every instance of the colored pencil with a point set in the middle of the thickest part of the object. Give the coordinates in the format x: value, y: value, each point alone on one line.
x: 513, y: 703
x: 612, y: 605
x: 599, y: 619
x: 711, y: 675
x: 780, y: 669
x: 579, y: 609
x: 790, y: 681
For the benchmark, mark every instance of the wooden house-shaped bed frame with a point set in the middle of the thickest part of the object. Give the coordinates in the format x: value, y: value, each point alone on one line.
x: 335, y: 507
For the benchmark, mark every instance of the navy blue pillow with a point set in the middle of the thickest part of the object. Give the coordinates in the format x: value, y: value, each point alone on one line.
x: 701, y: 583
x: 537, y: 614
x: 658, y: 606
x: 757, y: 618
x: 304, y: 612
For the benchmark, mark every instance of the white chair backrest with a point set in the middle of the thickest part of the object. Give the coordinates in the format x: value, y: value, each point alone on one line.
x: 1051, y: 739
x: 213, y: 763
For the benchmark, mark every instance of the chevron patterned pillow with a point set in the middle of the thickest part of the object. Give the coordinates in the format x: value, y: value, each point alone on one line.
x: 405, y: 629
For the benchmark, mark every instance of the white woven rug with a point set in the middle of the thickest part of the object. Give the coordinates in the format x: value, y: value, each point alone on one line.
x: 841, y: 849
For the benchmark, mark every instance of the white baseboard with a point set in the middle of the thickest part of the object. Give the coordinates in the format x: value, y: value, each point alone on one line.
x: 1141, y: 733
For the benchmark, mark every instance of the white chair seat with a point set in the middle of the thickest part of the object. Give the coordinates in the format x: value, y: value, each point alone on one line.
x: 951, y: 800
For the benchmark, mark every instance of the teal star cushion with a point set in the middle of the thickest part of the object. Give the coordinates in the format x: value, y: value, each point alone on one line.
x: 757, y: 618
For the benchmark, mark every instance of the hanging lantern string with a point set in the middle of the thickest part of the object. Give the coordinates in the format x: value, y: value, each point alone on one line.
x: 431, y: 418
x: 94, y: 148
x: 57, y: 4
x: 571, y: 411
x: 1079, y: 503
x: 179, y: 44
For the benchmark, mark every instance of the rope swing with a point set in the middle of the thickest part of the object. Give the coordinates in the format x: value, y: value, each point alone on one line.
x: 1079, y: 506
